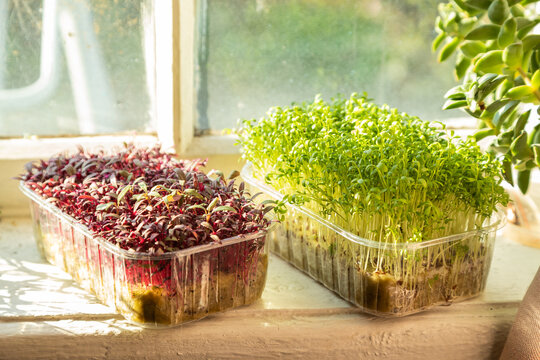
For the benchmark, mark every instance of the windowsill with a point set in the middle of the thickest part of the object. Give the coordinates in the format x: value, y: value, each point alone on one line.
x: 40, y: 305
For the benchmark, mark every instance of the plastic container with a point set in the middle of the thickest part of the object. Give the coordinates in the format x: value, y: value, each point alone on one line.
x: 384, y: 279
x: 523, y: 218
x: 153, y: 290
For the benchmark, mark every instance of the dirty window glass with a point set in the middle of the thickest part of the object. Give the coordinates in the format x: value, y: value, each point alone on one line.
x: 258, y: 53
x: 72, y: 67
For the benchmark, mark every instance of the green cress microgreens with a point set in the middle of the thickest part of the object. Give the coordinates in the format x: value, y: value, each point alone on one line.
x: 498, y: 62
x: 373, y: 171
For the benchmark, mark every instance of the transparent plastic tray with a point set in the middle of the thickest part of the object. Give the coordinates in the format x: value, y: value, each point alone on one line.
x: 153, y: 290
x: 384, y: 279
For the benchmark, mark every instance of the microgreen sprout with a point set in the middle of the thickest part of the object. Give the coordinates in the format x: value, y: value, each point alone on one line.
x: 375, y: 172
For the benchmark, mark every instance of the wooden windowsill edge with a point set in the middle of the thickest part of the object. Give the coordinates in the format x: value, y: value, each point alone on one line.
x: 477, y: 331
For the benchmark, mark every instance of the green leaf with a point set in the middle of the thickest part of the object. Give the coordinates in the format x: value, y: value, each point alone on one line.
x: 526, y: 61
x: 234, y: 174
x: 524, y: 30
x: 519, y: 92
x: 484, y: 80
x: 484, y: 32
x: 212, y: 204
x: 481, y: 134
x: 534, y: 137
x: 536, y: 152
x: 123, y: 193
x: 511, y: 3
x: 521, y: 122
x: 207, y: 225
x: 450, y: 23
x: 479, y: 4
x: 531, y: 42
x: 489, y: 61
x: 519, y: 147
x: 535, y: 61
x: 454, y: 104
x: 224, y: 208
x: 462, y: 66
x: 507, y: 124
x: 506, y: 137
x: 507, y: 33
x: 465, y: 25
x: 462, y: 5
x: 448, y: 49
x: 102, y: 207
x: 498, y: 11
x: 485, y: 88
x: 472, y: 48
x: 523, y: 178
x: 497, y: 104
x: 507, y: 170
x: 143, y: 186
x: 439, y: 24
x: 193, y: 192
x: 513, y: 55
x: 196, y: 206
x: 180, y: 173
x: 497, y: 147
x: 524, y: 165
x: 455, y: 93
x: 503, y: 88
x: 438, y: 41
x: 504, y: 113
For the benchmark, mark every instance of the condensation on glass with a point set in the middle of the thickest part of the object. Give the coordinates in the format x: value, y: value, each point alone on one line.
x: 73, y: 67
x: 260, y: 53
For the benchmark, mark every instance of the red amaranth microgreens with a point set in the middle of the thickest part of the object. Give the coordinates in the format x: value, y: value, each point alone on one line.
x: 143, y: 200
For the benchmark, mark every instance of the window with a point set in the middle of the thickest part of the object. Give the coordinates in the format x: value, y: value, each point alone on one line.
x: 260, y: 53
x: 73, y: 67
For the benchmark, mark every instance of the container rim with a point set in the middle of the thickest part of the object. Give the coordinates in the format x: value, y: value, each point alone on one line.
x: 496, y: 222
x: 133, y: 254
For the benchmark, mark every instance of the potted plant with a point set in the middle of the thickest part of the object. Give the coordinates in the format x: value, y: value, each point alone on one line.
x: 391, y: 212
x: 498, y: 64
x: 153, y: 236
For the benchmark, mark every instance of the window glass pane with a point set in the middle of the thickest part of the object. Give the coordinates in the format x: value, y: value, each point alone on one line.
x: 259, y: 53
x: 72, y: 67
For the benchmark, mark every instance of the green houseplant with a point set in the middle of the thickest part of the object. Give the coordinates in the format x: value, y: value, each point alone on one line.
x: 498, y: 64
x: 389, y: 211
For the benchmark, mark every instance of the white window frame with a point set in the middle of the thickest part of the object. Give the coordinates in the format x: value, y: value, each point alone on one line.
x: 175, y: 91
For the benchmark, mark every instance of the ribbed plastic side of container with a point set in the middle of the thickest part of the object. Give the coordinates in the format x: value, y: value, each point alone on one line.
x: 383, y: 279
x: 154, y: 291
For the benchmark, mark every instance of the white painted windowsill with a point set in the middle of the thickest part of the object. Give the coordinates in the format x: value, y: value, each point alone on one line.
x: 44, y: 314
